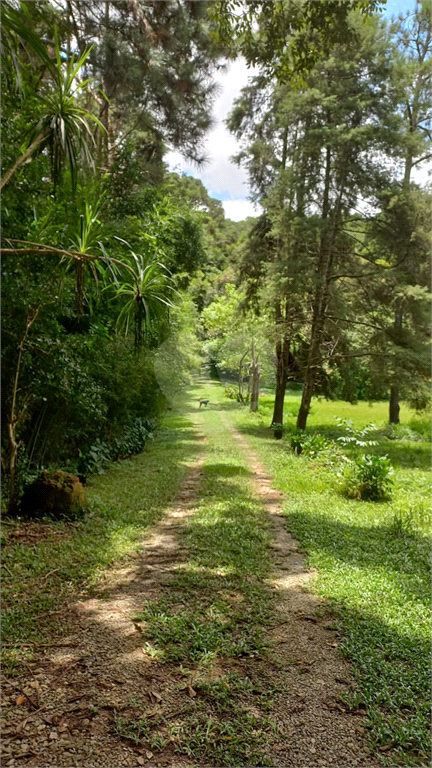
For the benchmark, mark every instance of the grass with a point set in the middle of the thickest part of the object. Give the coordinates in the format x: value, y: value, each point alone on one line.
x: 40, y: 575
x: 372, y: 561
x: 217, y: 610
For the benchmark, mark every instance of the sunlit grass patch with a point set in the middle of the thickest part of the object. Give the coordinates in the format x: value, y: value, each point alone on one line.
x: 125, y: 501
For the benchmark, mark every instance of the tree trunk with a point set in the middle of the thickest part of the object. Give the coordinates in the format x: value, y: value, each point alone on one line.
x: 319, y: 305
x: 394, y: 407
x: 240, y: 378
x: 282, y: 362
x: 255, y: 373
x: 324, y: 270
x: 15, y: 418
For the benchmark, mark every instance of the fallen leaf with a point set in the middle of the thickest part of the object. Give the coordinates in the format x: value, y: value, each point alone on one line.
x: 191, y: 691
x: 154, y: 696
x: 140, y: 761
x: 22, y: 725
x: 149, y: 754
x: 21, y: 699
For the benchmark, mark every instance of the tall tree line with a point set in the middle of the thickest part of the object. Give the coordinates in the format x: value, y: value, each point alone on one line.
x: 96, y: 245
x: 344, y: 234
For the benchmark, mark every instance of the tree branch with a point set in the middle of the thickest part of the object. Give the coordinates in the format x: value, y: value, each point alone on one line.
x: 22, y: 158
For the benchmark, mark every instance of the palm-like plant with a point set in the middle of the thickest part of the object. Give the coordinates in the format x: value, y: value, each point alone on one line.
x: 63, y: 125
x: 146, y: 297
x: 18, y: 36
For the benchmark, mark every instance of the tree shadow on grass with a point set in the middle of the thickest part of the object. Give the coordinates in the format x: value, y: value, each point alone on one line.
x: 129, y: 498
x: 377, y: 548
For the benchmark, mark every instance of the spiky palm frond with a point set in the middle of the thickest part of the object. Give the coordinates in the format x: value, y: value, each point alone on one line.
x: 63, y: 125
x: 147, y: 298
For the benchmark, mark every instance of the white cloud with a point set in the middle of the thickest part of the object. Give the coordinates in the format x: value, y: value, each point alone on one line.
x: 224, y: 179
x: 237, y: 210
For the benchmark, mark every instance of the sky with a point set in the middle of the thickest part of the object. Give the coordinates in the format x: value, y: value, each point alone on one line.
x: 223, y: 178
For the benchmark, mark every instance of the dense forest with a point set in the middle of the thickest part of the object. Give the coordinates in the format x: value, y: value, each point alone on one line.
x: 109, y: 257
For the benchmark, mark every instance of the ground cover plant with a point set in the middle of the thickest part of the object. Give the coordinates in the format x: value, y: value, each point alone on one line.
x: 372, y: 560
x: 45, y: 563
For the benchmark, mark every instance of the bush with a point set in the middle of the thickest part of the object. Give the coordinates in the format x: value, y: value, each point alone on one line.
x: 400, y: 432
x: 233, y: 394
x: 94, y: 459
x: 369, y: 478
x: 357, y: 438
x: 309, y: 445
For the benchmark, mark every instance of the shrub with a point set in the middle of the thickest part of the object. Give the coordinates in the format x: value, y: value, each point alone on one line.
x: 95, y: 458
x: 309, y: 445
x: 357, y: 438
x: 400, y: 432
x: 368, y: 478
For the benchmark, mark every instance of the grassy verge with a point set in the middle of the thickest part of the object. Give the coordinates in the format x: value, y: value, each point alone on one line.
x: 372, y: 561
x: 216, y: 614
x: 45, y: 563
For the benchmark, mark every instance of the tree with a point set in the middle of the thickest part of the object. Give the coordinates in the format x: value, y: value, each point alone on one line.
x: 286, y: 39
x: 153, y: 61
x: 331, y: 136
x: 62, y: 124
x: 414, y: 37
x: 234, y: 334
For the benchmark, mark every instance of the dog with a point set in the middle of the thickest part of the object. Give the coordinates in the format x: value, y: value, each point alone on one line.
x: 204, y: 402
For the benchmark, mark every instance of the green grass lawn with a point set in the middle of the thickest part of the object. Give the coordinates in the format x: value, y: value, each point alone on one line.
x: 372, y: 561
x: 40, y: 573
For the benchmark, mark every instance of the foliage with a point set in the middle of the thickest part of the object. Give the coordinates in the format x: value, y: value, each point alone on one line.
x: 368, y: 478
x: 98, y: 455
x: 286, y: 39
x: 308, y: 445
x: 232, y: 393
x: 351, y: 436
x: 401, y: 432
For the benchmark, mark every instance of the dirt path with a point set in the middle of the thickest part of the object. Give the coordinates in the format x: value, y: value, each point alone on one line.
x: 83, y: 693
